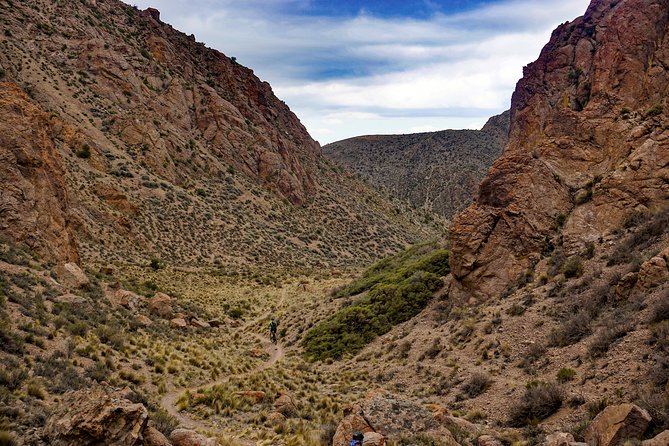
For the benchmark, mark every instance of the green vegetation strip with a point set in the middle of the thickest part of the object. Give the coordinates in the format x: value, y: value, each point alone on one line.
x: 399, y: 288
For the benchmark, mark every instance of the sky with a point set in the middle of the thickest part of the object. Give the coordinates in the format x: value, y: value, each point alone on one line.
x: 359, y: 67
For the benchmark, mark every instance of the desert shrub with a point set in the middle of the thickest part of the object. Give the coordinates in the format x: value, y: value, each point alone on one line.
x: 648, y: 230
x: 573, y: 267
x: 164, y: 422
x: 655, y: 110
x: 98, y: 372
x: 7, y: 439
x: 532, y: 355
x: 327, y: 434
x: 10, y: 342
x: 539, y: 401
x: 515, y: 310
x: 12, y: 378
x: 386, y: 305
x: 36, y: 391
x: 571, y: 330
x: 660, y: 311
x: 602, y: 340
x: 477, y: 384
x: 565, y: 374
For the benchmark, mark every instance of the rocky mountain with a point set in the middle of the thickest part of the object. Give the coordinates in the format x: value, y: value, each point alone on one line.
x: 435, y: 171
x: 587, y: 148
x: 124, y: 139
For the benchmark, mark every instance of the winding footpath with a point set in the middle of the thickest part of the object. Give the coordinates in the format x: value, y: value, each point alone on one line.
x: 169, y: 400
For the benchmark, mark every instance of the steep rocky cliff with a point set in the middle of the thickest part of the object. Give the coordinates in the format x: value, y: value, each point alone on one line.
x: 436, y: 171
x: 588, y: 146
x: 170, y: 150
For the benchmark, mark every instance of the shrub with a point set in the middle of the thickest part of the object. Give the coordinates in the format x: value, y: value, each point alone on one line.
x: 477, y: 384
x: 660, y: 310
x: 565, y: 374
x: 532, y: 355
x: 164, y: 422
x: 573, y: 267
x: 350, y: 329
x: 394, y: 269
x: 539, y: 401
x: 84, y: 151
x: 605, y: 337
x: 7, y: 439
x: 572, y: 330
x: 35, y: 390
x: 656, y: 110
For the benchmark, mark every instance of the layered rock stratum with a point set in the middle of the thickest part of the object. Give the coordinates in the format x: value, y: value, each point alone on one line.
x: 587, y: 147
x: 435, y: 171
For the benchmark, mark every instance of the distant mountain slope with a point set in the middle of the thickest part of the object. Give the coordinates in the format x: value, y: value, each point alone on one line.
x: 156, y: 146
x: 437, y: 171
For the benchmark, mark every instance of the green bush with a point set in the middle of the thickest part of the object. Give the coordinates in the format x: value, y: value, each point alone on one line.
x: 424, y: 257
x: 654, y: 111
x: 565, y: 374
x: 7, y: 439
x: 540, y: 401
x: 573, y: 267
x: 399, y: 288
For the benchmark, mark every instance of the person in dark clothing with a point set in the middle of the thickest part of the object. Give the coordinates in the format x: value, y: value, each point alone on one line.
x: 357, y: 439
x: 273, y: 325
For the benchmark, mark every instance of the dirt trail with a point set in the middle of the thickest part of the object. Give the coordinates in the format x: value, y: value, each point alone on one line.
x: 169, y: 400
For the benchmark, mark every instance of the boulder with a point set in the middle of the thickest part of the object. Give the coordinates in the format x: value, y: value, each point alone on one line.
x: 178, y: 323
x: 625, y: 285
x: 616, y: 424
x: 96, y: 416
x: 559, y: 439
x: 252, y: 396
x: 145, y: 321
x: 195, y: 322
x: 391, y: 415
x: 661, y: 439
x: 186, y: 437
x: 275, y: 418
x: 374, y: 439
x: 653, y: 272
x: 285, y: 405
x: 161, y: 305
x: 215, y: 323
x: 488, y: 440
x: 71, y: 299
x: 123, y: 298
x: 70, y: 275
x: 153, y: 437
x: 353, y: 422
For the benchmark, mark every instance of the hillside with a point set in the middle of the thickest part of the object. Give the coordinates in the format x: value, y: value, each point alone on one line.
x: 435, y: 171
x: 587, y: 149
x: 126, y: 140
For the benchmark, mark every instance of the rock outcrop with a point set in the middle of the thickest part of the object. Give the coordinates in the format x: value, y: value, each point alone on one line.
x: 617, y: 424
x: 185, y: 437
x: 587, y: 146
x: 381, y: 416
x: 34, y: 201
x: 96, y: 416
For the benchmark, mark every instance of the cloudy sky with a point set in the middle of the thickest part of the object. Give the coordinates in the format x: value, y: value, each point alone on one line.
x: 353, y: 67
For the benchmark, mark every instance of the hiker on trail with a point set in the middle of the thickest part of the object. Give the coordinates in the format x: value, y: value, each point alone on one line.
x: 272, y: 330
x: 357, y: 440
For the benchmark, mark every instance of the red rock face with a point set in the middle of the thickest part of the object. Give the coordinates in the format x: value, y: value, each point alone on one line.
x: 588, y: 145
x: 34, y: 203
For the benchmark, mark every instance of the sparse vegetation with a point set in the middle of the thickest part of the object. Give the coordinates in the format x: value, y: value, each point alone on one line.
x: 541, y: 399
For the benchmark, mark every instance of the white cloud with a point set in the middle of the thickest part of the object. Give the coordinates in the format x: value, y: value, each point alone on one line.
x: 365, y: 74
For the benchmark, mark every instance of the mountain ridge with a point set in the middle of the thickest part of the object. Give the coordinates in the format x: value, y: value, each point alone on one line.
x: 434, y: 171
